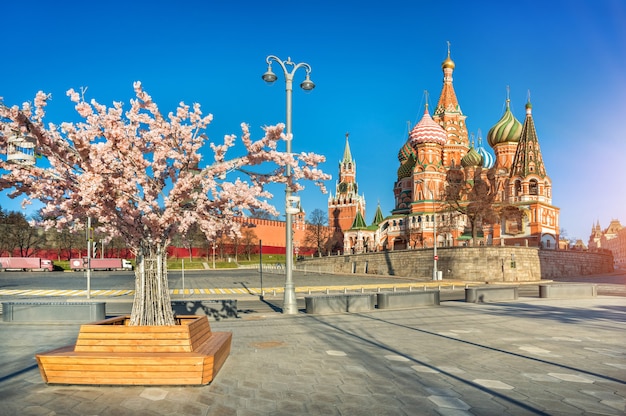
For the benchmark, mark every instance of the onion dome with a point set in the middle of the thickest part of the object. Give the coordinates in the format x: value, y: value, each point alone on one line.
x: 448, y: 63
x: 488, y: 159
x: 406, y: 169
x: 507, y: 129
x: 427, y: 131
x: 529, y: 107
x: 472, y: 158
x: 405, y: 152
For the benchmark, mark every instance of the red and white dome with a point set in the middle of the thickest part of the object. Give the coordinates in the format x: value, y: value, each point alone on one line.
x: 427, y: 131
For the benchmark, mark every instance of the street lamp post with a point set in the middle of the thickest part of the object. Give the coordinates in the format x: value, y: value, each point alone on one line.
x: 291, y: 202
x: 435, y: 258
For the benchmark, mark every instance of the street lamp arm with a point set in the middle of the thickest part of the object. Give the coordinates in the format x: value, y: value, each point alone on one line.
x: 270, y: 77
x: 283, y: 64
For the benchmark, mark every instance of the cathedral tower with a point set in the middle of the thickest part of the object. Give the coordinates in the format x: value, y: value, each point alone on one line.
x: 530, y: 188
x: 449, y: 116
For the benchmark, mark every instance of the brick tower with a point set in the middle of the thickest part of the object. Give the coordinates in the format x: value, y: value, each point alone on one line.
x: 346, y: 202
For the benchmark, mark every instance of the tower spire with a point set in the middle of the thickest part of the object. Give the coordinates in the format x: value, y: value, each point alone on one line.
x: 347, y: 155
x: 528, y: 160
x: 508, y: 96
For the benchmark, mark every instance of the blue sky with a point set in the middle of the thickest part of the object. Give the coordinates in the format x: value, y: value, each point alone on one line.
x: 371, y: 63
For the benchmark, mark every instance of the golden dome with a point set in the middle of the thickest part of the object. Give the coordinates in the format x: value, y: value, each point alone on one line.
x: 448, y: 63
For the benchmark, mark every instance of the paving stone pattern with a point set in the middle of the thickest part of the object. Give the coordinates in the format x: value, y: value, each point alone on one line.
x: 527, y: 357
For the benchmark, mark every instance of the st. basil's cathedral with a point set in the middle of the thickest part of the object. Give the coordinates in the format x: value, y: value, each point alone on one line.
x: 439, y: 154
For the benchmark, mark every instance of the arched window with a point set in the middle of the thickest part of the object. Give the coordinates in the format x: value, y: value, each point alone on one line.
x: 518, y: 188
x: 533, y: 187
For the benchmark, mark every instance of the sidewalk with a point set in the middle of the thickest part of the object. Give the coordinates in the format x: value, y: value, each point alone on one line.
x: 528, y: 357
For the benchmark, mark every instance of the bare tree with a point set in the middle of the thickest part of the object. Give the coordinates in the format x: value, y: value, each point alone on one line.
x: 318, y: 233
x: 21, y: 237
x: 190, y: 239
x: 474, y: 196
x: 263, y: 215
x: 249, y: 241
x: 66, y: 242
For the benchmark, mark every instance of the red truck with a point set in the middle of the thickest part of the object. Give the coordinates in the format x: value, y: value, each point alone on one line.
x: 26, y: 264
x: 100, y: 264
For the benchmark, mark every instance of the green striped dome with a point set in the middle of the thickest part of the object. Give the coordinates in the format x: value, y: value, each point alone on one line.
x: 507, y: 129
x: 406, y: 169
x: 472, y: 158
x: 405, y: 152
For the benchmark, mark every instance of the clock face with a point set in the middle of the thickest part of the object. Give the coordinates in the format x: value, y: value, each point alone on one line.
x: 343, y: 187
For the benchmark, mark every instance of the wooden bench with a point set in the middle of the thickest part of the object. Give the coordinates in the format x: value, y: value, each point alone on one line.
x: 112, y: 352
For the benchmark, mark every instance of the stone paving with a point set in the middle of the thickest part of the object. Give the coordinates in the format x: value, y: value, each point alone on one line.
x: 528, y: 357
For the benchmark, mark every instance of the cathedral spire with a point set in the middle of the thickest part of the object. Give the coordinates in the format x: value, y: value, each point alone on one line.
x: 528, y: 159
x: 449, y: 116
x: 448, y: 102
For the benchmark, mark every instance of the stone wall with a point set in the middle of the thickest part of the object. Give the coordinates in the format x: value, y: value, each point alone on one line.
x: 485, y: 264
x: 574, y: 263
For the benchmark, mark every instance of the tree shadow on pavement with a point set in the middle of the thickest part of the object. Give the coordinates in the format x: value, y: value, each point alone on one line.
x: 216, y: 309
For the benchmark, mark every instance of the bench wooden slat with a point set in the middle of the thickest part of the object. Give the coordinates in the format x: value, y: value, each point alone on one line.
x: 102, y: 379
x: 129, y: 335
x: 115, y: 366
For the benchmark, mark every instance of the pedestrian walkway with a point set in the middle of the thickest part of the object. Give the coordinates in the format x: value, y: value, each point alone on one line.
x: 257, y: 291
x: 528, y: 357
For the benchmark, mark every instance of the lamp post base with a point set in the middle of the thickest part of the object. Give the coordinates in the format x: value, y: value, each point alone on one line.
x: 290, y: 305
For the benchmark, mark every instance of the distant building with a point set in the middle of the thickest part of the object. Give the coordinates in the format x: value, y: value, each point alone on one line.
x: 612, y: 238
x: 578, y: 245
x: 437, y: 149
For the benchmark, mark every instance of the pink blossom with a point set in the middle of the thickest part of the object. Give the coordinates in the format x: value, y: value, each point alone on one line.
x: 138, y: 173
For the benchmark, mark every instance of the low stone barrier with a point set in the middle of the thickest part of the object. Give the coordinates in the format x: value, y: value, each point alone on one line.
x: 320, y: 304
x: 360, y: 302
x: 408, y: 299
x: 53, y: 311
x: 340, y: 303
x: 483, y: 294
x: 568, y: 290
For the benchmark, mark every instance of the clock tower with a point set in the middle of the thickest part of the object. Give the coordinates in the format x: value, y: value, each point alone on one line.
x: 346, y: 202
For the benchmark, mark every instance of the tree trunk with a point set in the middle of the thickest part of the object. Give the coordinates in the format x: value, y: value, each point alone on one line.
x: 152, y: 304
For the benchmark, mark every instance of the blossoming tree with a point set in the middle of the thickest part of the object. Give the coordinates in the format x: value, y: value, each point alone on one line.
x: 140, y: 175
